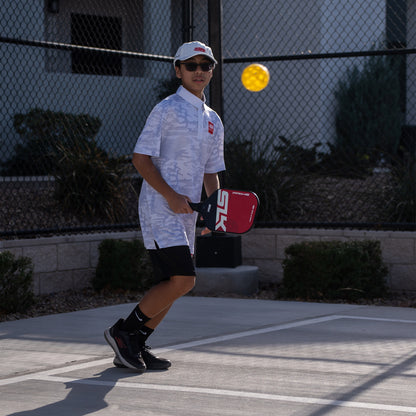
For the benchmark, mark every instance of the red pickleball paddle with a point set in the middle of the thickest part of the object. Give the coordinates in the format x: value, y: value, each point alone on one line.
x: 228, y: 210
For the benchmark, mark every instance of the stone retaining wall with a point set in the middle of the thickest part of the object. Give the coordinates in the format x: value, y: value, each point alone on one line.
x: 69, y: 262
x: 265, y: 248
x: 62, y: 263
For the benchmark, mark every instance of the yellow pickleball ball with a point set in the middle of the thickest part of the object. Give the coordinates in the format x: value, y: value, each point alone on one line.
x: 255, y: 77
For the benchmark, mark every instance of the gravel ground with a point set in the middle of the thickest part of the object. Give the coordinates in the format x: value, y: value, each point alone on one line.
x: 27, y: 206
x: 32, y: 206
x: 70, y: 301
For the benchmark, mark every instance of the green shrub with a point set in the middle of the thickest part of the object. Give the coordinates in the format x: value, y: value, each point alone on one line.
x: 88, y: 183
x: 122, y: 265
x: 41, y: 132
x: 369, y: 114
x: 16, y: 283
x: 334, y: 270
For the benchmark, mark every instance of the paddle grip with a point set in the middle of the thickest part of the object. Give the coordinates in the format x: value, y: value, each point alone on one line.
x: 196, y: 206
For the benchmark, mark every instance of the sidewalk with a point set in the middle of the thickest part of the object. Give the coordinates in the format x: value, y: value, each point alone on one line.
x: 230, y: 356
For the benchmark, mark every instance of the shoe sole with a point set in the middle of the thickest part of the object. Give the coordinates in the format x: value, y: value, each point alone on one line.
x: 112, y: 343
x: 119, y: 364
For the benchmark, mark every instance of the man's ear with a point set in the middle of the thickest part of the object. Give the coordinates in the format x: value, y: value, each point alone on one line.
x: 178, y: 72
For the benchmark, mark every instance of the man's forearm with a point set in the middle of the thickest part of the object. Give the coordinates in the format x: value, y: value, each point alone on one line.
x: 144, y: 165
x: 211, y: 183
x: 151, y: 175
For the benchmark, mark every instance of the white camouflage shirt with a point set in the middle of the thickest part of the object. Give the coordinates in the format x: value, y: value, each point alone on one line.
x: 185, y: 139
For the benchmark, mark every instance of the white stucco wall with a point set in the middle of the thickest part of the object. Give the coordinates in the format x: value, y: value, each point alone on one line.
x: 35, y: 77
x: 298, y: 103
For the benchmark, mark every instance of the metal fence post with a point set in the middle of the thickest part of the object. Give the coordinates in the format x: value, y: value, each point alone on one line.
x: 215, y: 41
x: 187, y: 25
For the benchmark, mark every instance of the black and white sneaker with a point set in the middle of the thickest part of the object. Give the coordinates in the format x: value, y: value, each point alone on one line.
x: 152, y: 361
x: 125, y: 346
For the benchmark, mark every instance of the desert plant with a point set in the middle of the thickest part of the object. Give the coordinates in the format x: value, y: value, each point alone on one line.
x: 257, y: 165
x: 16, y: 283
x: 122, y: 265
x: 295, y: 158
x: 334, y: 270
x: 41, y: 132
x: 88, y: 183
x: 369, y: 114
x: 338, y: 163
x: 402, y: 206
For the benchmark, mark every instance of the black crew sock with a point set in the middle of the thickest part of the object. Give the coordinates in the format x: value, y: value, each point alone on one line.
x: 135, y: 320
x: 143, y: 333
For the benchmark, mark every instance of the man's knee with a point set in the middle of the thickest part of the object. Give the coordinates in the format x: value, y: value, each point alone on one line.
x: 183, y: 284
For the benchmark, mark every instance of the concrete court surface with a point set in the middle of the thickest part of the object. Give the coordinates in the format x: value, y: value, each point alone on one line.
x: 230, y: 357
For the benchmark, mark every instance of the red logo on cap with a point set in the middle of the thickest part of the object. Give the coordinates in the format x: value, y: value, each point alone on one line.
x: 199, y: 49
x: 210, y: 127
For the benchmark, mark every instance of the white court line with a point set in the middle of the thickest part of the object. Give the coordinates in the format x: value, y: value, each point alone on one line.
x: 49, y: 375
x: 229, y: 337
x: 366, y: 318
x: 197, y: 343
x: 157, y: 351
x: 59, y: 370
x: 234, y: 393
x: 275, y: 329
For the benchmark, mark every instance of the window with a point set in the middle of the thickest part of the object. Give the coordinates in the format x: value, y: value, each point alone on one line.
x: 99, y: 32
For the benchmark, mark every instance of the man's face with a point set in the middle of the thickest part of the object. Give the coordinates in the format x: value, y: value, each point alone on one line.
x: 195, y: 80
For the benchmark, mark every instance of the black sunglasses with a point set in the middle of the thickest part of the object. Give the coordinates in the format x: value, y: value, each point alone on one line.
x: 192, y: 66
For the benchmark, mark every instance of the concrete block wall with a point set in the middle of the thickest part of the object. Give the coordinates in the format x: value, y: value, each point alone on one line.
x: 68, y: 262
x: 265, y: 247
x: 62, y: 263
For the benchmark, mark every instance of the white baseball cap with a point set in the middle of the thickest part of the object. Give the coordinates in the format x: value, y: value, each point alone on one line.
x: 190, y: 49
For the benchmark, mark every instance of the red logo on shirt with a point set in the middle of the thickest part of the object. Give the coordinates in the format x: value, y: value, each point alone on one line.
x: 210, y: 127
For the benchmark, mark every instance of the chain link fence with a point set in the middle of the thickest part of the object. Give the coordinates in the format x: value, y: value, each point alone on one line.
x: 329, y: 142
x: 334, y: 127
x: 78, y: 81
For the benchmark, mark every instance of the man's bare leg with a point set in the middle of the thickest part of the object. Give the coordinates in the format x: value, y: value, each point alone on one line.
x: 157, y: 301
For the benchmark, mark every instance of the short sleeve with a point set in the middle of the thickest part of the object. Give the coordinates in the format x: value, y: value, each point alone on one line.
x: 149, y: 140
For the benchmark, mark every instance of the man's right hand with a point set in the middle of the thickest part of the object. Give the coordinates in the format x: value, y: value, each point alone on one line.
x: 179, y: 204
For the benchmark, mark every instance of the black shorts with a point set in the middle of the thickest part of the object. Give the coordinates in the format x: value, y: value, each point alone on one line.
x: 171, y: 261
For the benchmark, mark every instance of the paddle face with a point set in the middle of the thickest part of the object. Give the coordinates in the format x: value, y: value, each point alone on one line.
x: 229, y: 211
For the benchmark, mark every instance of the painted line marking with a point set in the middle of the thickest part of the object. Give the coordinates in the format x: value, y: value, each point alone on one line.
x: 249, y: 333
x: 234, y: 393
x: 197, y: 343
x: 50, y: 375
x: 365, y: 318
x: 157, y: 351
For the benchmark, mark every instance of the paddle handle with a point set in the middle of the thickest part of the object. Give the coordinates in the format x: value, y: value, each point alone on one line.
x: 196, y: 206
